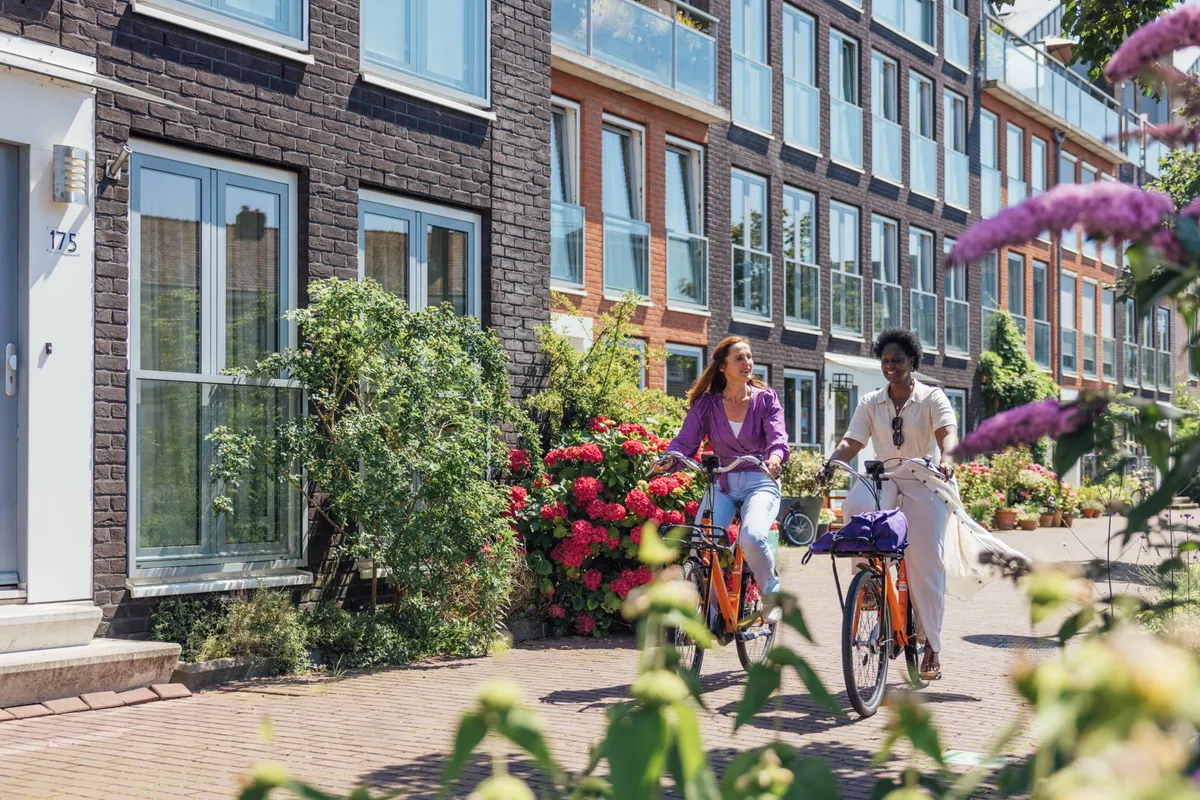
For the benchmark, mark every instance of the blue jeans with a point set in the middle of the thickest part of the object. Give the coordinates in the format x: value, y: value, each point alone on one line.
x: 759, y: 496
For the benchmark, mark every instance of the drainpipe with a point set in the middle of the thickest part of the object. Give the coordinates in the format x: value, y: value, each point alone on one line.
x: 1058, y: 136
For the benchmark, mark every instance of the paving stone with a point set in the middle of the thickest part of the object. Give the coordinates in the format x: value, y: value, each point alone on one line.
x: 135, y: 697
x: 29, y: 712
x: 99, y: 700
x: 5, y: 716
x: 67, y: 705
x: 171, y: 691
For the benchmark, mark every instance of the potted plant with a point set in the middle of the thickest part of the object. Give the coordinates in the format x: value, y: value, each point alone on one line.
x: 1005, y: 517
x: 1092, y: 507
x: 1068, y: 503
x: 798, y: 484
x: 982, y: 512
x: 1027, y: 518
x: 1046, y: 517
x: 826, y: 519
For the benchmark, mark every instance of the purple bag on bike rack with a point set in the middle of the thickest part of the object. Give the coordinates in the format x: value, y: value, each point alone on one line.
x: 875, y: 531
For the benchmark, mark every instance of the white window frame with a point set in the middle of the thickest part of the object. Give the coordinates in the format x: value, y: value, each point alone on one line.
x: 835, y: 93
x: 695, y: 154
x: 215, y: 23
x: 1068, y: 280
x: 961, y: 394
x: 1038, y: 177
x: 1108, y: 333
x: 879, y: 281
x: 811, y: 265
x: 688, y: 350
x: 736, y: 11
x: 954, y: 120
x: 813, y: 85
x: 418, y: 289
x: 637, y: 135
x: 954, y: 282
x: 762, y: 372
x: 1044, y: 267
x: 423, y: 88
x: 799, y: 375
x: 899, y: 25
x: 921, y: 118
x: 1023, y: 316
x: 166, y: 566
x: 919, y: 288
x: 1108, y: 248
x: 1162, y: 341
x: 1132, y: 373
x: 879, y: 116
x: 736, y: 312
x: 570, y: 111
x: 640, y: 346
x: 1070, y: 239
x: 1089, y: 321
x: 855, y: 213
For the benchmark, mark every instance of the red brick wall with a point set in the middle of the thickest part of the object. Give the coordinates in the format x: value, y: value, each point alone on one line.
x: 659, y: 325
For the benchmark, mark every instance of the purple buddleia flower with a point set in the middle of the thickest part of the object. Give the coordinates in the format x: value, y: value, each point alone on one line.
x: 1022, y: 425
x: 1164, y: 242
x: 1173, y: 135
x: 1155, y: 42
x: 1107, y: 210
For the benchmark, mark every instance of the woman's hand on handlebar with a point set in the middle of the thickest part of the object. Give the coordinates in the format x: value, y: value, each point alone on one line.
x: 774, y: 466
x: 658, y: 467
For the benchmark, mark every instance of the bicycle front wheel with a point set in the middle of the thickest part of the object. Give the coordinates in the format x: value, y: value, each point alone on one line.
x: 754, y: 641
x: 691, y: 655
x: 798, y: 529
x: 866, y: 642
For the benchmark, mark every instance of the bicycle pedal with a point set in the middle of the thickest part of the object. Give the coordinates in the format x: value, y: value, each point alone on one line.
x: 749, y: 636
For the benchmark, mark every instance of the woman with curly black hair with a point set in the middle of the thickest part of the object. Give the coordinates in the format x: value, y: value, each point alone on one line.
x: 908, y: 419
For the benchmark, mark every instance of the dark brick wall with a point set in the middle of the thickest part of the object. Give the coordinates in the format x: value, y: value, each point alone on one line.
x: 733, y: 147
x: 337, y: 135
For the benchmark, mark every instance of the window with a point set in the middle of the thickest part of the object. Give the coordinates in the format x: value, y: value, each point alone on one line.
x: 1037, y: 177
x: 640, y: 346
x: 566, y: 215
x: 1014, y: 164
x: 924, y: 301
x: 1087, y: 175
x: 1148, y: 359
x: 1041, y: 316
x: 432, y: 44
x: 1131, y: 348
x: 845, y: 276
x: 989, y: 164
x: 1108, y: 334
x: 989, y: 288
x: 885, y: 266
x: 751, y: 74
x: 213, y: 269
x: 1088, y: 306
x: 958, y: 313
x: 683, y: 368
x: 283, y: 22
x: 763, y: 373
x: 800, y: 407
x: 913, y: 18
x: 748, y: 231
x: 801, y: 97
x: 1016, y: 289
x: 922, y: 151
x: 845, y: 129
x: 1068, y: 343
x: 958, y: 163
x: 687, y: 249
x: 802, y: 276
x: 1162, y: 335
x: 626, y: 236
x: 426, y: 254
x: 885, y: 118
x: 1108, y: 250
x: 1066, y: 174
x: 958, y: 401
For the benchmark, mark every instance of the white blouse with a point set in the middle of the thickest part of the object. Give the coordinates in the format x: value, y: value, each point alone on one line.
x: 927, y: 410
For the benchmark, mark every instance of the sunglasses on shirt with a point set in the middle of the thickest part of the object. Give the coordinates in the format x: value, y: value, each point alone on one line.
x: 898, y: 431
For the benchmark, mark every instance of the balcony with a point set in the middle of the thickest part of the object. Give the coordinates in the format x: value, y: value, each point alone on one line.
x: 958, y: 323
x: 566, y: 243
x: 956, y: 32
x: 885, y: 150
x: 958, y: 175
x: 1041, y: 343
x: 924, y: 317
x: 687, y: 269
x: 802, y: 115
x: 751, y: 93
x: 845, y: 301
x: 664, y: 51
x: 802, y: 294
x: 989, y: 192
x: 922, y: 165
x: 626, y: 256
x: 1019, y: 71
x: 845, y: 133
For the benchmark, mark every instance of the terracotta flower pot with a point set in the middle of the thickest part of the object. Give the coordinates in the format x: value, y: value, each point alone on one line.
x: 1090, y: 513
x: 1005, y: 519
x: 1058, y: 519
x: 1046, y: 521
x: 1068, y: 519
x: 1029, y: 524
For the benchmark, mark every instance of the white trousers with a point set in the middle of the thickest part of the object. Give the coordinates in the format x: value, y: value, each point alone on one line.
x: 927, y: 515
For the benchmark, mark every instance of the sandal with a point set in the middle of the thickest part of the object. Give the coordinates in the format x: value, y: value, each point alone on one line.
x: 932, y: 672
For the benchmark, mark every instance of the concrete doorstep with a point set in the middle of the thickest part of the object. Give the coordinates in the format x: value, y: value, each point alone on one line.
x: 101, y: 665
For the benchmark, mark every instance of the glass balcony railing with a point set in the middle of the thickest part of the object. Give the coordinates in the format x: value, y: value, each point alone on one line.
x: 666, y: 41
x: 1068, y: 350
x: 845, y: 132
x: 885, y: 149
x: 845, y: 302
x: 958, y: 316
x: 1041, y: 343
x: 802, y: 293
x: 1131, y: 364
x: 1016, y: 192
x: 1037, y: 75
x: 566, y: 243
x: 802, y: 114
x: 1155, y: 152
x: 958, y: 179
x: 957, y: 38
x: 751, y: 93
x: 924, y: 317
x: 687, y: 269
x: 922, y: 165
x: 989, y: 192
x: 626, y: 255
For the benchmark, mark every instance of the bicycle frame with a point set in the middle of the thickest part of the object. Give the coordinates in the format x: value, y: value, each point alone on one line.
x: 895, y: 594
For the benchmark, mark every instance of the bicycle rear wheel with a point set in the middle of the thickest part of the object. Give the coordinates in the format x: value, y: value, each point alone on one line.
x: 866, y: 642
x: 754, y: 641
x: 798, y: 529
x: 691, y: 655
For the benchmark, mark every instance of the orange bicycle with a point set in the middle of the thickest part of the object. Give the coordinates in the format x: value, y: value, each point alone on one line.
x: 878, y: 619
x: 729, y: 599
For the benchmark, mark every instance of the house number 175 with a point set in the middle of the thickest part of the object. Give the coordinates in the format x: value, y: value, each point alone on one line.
x: 61, y: 242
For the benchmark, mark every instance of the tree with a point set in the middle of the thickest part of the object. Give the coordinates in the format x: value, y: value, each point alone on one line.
x: 1180, y: 177
x: 1098, y: 28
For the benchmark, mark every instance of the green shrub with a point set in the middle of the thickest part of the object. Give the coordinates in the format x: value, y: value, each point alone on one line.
x: 187, y: 621
x: 800, y: 474
x: 264, y: 625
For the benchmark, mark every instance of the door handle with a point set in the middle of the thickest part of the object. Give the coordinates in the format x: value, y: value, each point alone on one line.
x: 10, y: 370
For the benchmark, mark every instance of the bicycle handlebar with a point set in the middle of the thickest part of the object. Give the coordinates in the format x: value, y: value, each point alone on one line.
x: 695, y: 466
x: 923, y: 462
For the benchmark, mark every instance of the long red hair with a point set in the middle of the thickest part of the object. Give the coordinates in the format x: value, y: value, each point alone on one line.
x: 712, y: 379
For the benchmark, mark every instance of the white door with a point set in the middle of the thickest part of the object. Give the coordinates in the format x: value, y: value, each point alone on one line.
x: 9, y: 276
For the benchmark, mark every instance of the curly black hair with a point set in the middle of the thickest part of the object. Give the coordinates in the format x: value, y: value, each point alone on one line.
x: 907, y: 340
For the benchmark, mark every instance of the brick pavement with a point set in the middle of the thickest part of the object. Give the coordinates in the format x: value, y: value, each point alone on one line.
x: 391, y: 728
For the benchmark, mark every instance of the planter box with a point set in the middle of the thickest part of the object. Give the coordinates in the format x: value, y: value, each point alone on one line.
x: 198, y: 675
x: 524, y: 629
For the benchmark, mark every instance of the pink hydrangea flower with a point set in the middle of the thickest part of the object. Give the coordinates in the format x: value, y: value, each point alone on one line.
x: 557, y: 611
x: 592, y: 579
x: 586, y: 489
x: 691, y: 509
x: 584, y: 624
x: 633, y: 447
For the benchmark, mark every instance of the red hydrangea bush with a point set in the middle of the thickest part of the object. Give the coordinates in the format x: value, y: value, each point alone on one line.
x: 580, y: 516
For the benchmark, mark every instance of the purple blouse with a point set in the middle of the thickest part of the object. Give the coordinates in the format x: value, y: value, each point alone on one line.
x: 763, y: 432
